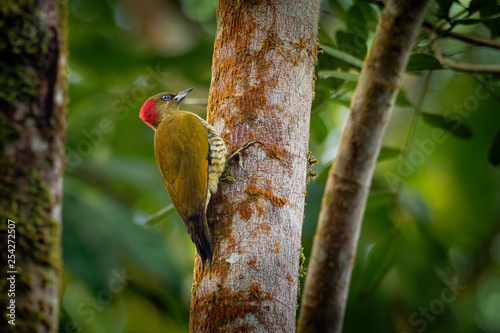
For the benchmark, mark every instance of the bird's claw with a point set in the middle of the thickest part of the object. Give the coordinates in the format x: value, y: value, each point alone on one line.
x: 238, y: 152
x: 240, y: 161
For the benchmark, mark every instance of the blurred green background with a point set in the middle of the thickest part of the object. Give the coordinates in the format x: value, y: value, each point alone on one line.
x: 429, y: 251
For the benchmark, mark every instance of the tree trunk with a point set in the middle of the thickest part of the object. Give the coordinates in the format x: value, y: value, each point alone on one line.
x: 32, y: 132
x: 262, y: 88
x: 349, y: 180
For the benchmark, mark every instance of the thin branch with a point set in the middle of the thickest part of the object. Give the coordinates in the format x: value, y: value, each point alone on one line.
x: 406, y: 149
x: 349, y: 180
x: 461, y: 66
x: 413, y: 125
x: 469, y: 38
x: 158, y: 216
x: 487, y: 86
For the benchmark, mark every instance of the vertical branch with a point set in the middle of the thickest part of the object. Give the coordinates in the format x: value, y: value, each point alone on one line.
x: 262, y: 87
x: 32, y: 127
x: 344, y: 200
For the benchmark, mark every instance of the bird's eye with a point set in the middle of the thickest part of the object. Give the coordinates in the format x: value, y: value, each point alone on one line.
x: 165, y: 97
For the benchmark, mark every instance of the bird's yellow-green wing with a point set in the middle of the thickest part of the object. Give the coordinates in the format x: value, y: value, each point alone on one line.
x: 181, y: 150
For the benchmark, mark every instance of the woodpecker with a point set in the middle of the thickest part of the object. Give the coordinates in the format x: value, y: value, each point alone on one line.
x: 191, y: 156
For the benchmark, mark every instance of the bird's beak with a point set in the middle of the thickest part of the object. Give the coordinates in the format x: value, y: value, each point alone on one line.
x: 180, y: 96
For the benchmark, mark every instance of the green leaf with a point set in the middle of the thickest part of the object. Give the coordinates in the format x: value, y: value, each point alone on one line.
x: 488, y: 10
x: 351, y: 43
x: 345, y: 102
x: 494, y: 153
x: 379, y: 199
x: 359, y: 17
x: 450, y: 125
x: 415, y: 205
x: 476, y: 5
x: 445, y: 5
x: 477, y: 21
x: 321, y: 95
x: 355, y: 19
x: 337, y: 9
x: 401, y: 99
x: 489, y: 14
x: 323, y: 175
x: 318, y: 128
x: 388, y: 153
x: 346, y: 76
x: 370, y: 13
x: 380, y: 260
x: 342, y: 56
x: 423, y: 62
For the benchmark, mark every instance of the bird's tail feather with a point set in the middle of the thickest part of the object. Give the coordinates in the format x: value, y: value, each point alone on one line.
x: 198, y: 231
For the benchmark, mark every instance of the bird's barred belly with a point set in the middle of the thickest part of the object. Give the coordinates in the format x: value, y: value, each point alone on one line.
x: 217, y: 157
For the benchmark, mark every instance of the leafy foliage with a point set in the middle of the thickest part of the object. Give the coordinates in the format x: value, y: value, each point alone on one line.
x: 447, y: 124
x: 380, y: 259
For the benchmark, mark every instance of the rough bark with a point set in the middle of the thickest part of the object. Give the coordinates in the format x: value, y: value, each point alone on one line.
x: 32, y: 132
x: 342, y: 209
x: 262, y: 88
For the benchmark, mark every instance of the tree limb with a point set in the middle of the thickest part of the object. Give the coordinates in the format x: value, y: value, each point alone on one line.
x: 344, y: 200
x: 469, y: 38
x: 461, y: 66
x: 32, y: 146
x: 262, y: 88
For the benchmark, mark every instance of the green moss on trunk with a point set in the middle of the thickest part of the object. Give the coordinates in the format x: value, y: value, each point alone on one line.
x: 31, y: 152
x: 23, y: 47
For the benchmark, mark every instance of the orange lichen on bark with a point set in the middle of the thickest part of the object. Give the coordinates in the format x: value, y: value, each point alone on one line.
x: 244, y: 210
x: 251, y: 263
x: 224, y: 306
x: 264, y: 226
x: 231, y: 74
x: 260, y: 210
x: 277, y: 247
x: 289, y: 277
x: 255, y: 192
x: 292, y: 53
x: 255, y: 290
x: 235, y: 98
x: 275, y: 152
x: 243, y: 328
x: 228, y: 72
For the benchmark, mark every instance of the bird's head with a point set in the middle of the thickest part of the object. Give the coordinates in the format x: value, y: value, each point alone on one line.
x: 160, y: 105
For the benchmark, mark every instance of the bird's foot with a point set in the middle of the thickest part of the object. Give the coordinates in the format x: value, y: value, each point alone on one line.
x: 238, y: 152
